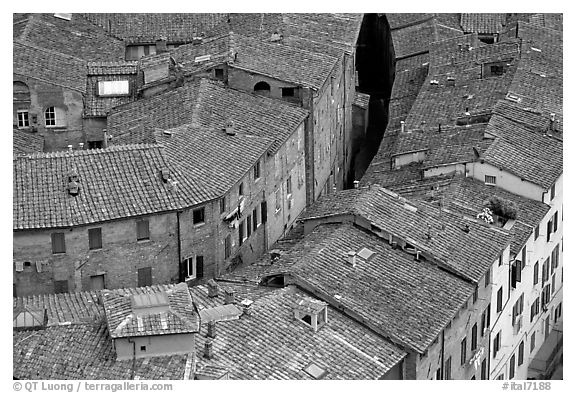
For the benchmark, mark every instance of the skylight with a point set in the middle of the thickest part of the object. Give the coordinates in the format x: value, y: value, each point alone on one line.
x: 315, y: 371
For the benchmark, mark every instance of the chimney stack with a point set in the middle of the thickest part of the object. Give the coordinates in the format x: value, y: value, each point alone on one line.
x: 228, y: 296
x: 213, y: 289
x: 402, y: 126
x: 81, y: 146
x: 351, y: 258
x: 211, y: 329
x: 69, y: 147
x: 356, y: 184
x: 209, y: 349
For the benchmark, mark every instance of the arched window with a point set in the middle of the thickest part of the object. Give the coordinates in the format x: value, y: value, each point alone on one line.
x: 54, y: 117
x: 262, y: 88
x: 21, y: 92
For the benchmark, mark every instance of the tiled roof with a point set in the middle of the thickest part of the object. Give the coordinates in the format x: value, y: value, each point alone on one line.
x: 361, y: 100
x: 76, y: 37
x: 407, y: 85
x: 212, y: 158
x: 417, y: 38
x: 95, y: 105
x: 147, y: 28
x: 49, y: 66
x: 26, y: 143
x: 84, y: 351
x: 76, y: 343
x: 280, y: 347
x: 468, y: 254
x: 530, y: 155
x: 283, y: 62
x: 209, y: 104
x: 117, y: 182
x: 178, y: 316
x: 482, y: 23
x: 400, y: 20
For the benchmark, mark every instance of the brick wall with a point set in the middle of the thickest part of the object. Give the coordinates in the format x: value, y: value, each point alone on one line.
x: 119, y: 258
x: 44, y: 95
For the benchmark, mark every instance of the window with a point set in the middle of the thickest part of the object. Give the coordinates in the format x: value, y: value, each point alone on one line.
x: 58, y: 243
x: 518, y: 308
x: 23, y: 119
x: 227, y: 247
x: 255, y: 219
x: 499, y: 300
x: 21, y: 92
x: 546, y: 271
x: 500, y: 259
x: 553, y: 191
x: 534, y: 309
x: 54, y: 117
x: 199, y: 266
x: 490, y: 180
x: 536, y: 232
x: 532, y: 342
x: 241, y: 233
x: 198, y: 216
x: 95, y: 238
x: 553, y: 282
x: 496, y: 70
x: 545, y: 295
x: 555, y: 257
x: 194, y: 266
x: 536, y: 269
x: 264, y: 210
x: 222, y: 205
x: 474, y: 340
x: 219, y: 73
x: 190, y: 271
x: 143, y: 348
x: 521, y: 353
x: 483, y: 370
x: 257, y: 171
x: 496, y: 343
x: 262, y: 87
x: 288, y: 92
x: 487, y: 277
x: 289, y: 186
x: 475, y: 295
x: 97, y: 282
x: 145, y: 277
x: 249, y: 225
x: 512, y: 366
x: 439, y: 374
x: 549, y: 229
x: 463, y: 351
x: 113, y: 88
x: 241, y: 189
x: 523, y: 257
x: 558, y: 312
x: 94, y: 144
x: 555, y: 221
x: 142, y: 230
x: 448, y: 368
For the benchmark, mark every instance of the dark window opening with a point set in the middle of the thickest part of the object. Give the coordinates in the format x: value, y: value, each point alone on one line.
x: 199, y: 266
x: 198, y: 216
x: 219, y: 73
x: 227, y: 247
x: 143, y: 348
x: 288, y: 92
x: 262, y: 87
x: 307, y: 319
x: 58, y: 243
x: 145, y: 277
x: 222, y: 205
x: 61, y: 286
x: 94, y: 144
x: 95, y: 238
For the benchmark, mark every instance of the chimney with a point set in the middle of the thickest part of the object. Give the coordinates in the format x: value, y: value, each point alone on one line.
x: 208, y: 349
x: 161, y: 45
x: 417, y: 256
x: 229, y: 128
x: 105, y: 140
x: 213, y: 289
x: 439, y: 127
x: 460, y: 47
x: 553, y: 121
x: 351, y: 258
x: 402, y: 126
x: 211, y: 329
x: 450, y: 81
x: 69, y: 147
x: 228, y: 296
x: 356, y: 184
x: 81, y: 146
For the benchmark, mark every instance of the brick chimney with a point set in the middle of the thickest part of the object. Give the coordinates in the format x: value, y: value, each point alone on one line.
x: 213, y: 289
x: 228, y: 296
x: 211, y: 329
x: 351, y: 258
x: 209, y: 349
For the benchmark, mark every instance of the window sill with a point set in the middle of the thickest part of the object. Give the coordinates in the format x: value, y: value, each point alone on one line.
x: 94, y: 249
x: 142, y: 240
x: 190, y: 278
x: 57, y: 128
x: 199, y: 225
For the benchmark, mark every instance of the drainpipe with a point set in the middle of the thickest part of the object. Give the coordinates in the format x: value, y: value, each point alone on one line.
x: 442, y: 357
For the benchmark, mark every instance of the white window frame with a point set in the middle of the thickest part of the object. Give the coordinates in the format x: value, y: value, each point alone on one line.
x: 113, y: 88
x: 59, y: 117
x: 190, y: 259
x: 25, y: 121
x: 489, y: 177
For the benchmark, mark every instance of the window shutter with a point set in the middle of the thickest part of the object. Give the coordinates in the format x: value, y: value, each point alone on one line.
x: 142, y: 230
x: 518, y: 276
x: 61, y: 286
x: 255, y: 218
x: 199, y: 266
x: 95, y: 238
x: 58, y: 243
x: 513, y: 273
x: 555, y: 221
x: 145, y: 277
x: 264, y: 212
x: 183, y: 271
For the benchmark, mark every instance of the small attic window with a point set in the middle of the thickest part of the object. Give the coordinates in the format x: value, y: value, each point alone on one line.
x: 497, y: 68
x: 312, y: 312
x: 365, y: 254
x: 288, y: 92
x: 262, y: 87
x: 315, y: 371
x: 113, y: 88
x: 201, y: 59
x: 63, y: 16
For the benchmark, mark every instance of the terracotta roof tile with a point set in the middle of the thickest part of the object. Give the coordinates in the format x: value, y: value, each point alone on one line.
x: 40, y: 184
x: 76, y: 37
x: 96, y: 105
x: 26, y: 143
x: 49, y: 66
x: 482, y: 23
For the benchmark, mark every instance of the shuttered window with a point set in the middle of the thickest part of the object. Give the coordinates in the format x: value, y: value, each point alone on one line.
x: 145, y: 277
x: 199, y: 266
x: 95, y: 238
x: 61, y: 286
x: 143, y: 230
x: 58, y: 243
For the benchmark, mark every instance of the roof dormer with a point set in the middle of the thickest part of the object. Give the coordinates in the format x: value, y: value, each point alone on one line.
x: 312, y: 312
